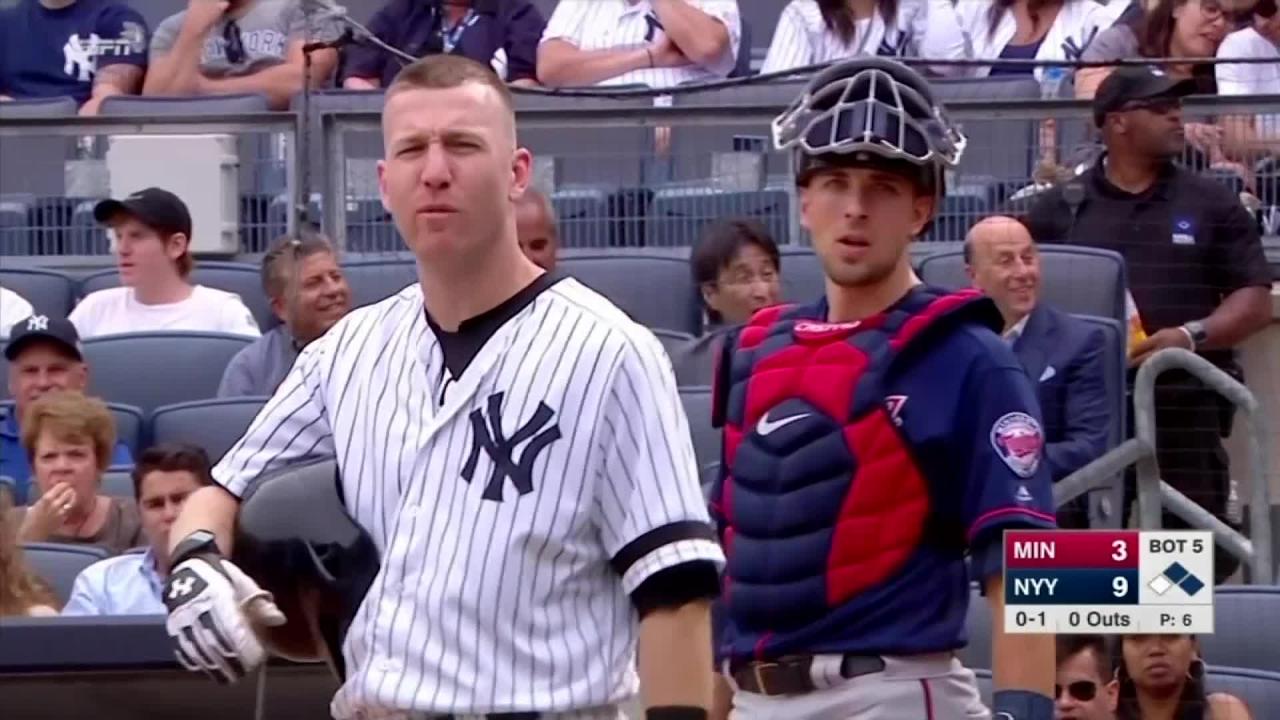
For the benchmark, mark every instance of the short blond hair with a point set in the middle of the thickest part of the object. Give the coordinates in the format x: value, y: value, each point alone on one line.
x: 445, y: 72
x: 72, y: 418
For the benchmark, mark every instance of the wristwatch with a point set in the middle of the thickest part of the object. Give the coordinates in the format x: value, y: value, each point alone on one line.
x: 1197, y: 333
x: 200, y: 542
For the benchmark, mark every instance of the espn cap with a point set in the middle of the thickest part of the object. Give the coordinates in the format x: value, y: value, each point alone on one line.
x: 42, y: 327
x: 158, y: 209
x: 1127, y: 84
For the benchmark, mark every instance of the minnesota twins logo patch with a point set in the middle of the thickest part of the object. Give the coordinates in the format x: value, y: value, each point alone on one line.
x: 1018, y: 440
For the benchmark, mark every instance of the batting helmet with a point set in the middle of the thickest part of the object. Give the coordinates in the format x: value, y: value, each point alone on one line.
x: 870, y: 110
x: 295, y: 538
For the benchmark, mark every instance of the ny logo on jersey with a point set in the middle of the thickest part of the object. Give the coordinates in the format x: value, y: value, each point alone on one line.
x: 654, y: 25
x: 80, y: 56
x: 487, y: 435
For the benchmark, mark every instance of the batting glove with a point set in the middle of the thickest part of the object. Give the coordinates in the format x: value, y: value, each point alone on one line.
x: 213, y: 607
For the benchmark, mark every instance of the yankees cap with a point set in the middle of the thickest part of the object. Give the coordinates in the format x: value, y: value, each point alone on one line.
x: 158, y: 209
x: 42, y: 327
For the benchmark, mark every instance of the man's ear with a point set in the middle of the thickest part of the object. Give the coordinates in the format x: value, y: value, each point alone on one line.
x: 922, y: 212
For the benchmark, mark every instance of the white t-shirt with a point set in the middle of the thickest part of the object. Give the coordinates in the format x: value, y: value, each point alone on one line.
x: 1251, y: 79
x: 13, y: 307
x: 115, y: 310
x: 803, y: 38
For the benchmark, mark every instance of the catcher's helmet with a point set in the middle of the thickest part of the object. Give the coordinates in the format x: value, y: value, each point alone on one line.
x: 295, y: 538
x: 870, y: 111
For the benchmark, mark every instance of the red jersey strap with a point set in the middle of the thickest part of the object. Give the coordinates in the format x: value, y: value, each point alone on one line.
x: 753, y: 331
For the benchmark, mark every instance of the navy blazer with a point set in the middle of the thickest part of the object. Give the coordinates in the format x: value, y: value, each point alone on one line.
x: 1064, y: 357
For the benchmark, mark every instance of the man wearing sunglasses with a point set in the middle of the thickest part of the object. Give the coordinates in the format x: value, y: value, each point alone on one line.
x: 1083, y: 690
x: 1195, y: 267
x: 229, y: 47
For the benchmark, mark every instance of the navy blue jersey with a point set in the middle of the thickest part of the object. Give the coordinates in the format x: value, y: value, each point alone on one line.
x: 968, y: 420
x: 51, y: 53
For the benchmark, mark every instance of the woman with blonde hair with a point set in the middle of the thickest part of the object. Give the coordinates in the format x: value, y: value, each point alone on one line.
x: 21, y: 592
x: 69, y: 439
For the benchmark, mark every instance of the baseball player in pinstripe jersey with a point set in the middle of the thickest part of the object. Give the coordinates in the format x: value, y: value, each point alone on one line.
x: 512, y: 442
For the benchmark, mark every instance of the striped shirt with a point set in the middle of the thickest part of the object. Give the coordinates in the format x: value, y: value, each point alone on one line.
x: 803, y: 38
x: 504, y: 584
x: 623, y: 25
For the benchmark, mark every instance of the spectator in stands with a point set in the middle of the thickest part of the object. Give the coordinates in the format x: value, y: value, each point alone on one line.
x: 86, y: 49
x: 69, y: 438
x: 736, y: 267
x: 1161, y: 677
x: 153, y: 250
x: 44, y: 357
x: 503, y: 35
x: 1014, y: 30
x: 13, y: 307
x: 658, y: 43
x: 1249, y: 137
x: 819, y: 31
x: 309, y: 294
x: 1084, y: 690
x: 536, y: 228
x: 22, y: 592
x: 227, y: 47
x: 1196, y: 269
x: 131, y: 583
x: 1062, y: 354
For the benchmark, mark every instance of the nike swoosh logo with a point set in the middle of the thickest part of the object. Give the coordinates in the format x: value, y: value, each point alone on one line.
x: 767, y: 426
x: 1048, y: 373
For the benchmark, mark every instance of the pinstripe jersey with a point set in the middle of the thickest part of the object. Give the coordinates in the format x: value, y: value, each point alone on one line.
x: 619, y: 24
x: 515, y: 506
x: 803, y: 38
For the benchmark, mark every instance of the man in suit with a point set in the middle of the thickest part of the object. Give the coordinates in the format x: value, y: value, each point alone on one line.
x: 1062, y: 354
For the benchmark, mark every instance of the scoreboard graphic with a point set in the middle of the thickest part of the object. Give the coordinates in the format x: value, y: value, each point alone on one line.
x: 1108, y: 582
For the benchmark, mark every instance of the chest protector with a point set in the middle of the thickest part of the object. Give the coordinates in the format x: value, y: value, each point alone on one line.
x: 822, y: 498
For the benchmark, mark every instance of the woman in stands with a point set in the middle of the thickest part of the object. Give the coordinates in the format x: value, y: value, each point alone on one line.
x: 819, y: 31
x: 69, y: 439
x: 1161, y: 677
x: 21, y: 592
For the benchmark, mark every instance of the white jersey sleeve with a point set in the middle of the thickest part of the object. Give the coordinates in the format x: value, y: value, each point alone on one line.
x: 292, y: 426
x: 566, y: 23
x: 790, y: 47
x: 653, y: 513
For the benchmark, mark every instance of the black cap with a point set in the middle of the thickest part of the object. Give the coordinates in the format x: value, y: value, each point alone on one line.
x: 1134, y: 82
x: 43, y: 327
x: 158, y: 209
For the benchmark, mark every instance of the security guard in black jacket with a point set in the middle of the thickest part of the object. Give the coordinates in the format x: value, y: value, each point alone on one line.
x: 1197, y: 271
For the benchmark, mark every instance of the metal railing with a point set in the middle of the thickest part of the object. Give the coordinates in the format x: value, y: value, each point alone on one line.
x: 1154, y: 495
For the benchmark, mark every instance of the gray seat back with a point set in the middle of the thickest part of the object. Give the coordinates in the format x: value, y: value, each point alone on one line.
x: 148, y: 370
x: 706, y: 439
x: 49, y: 292
x: 1105, y: 506
x: 58, y: 564
x: 656, y: 290
x: 1246, y: 629
x: 214, y: 425
x: 372, y: 281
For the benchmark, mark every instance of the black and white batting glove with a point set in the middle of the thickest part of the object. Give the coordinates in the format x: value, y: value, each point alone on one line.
x: 213, y: 607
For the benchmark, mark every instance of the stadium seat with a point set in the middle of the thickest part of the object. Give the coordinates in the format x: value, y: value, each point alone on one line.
x: 656, y: 290
x: 1082, y: 280
x: 1259, y: 689
x: 961, y: 208
x: 679, y: 216
x: 671, y: 340
x: 803, y: 280
x: 49, y: 292
x: 129, y: 423
x: 706, y: 439
x: 58, y: 564
x: 375, y: 280
x: 242, y: 279
x: 38, y: 108
x: 118, y: 482
x: 581, y: 216
x: 214, y: 425
x: 1246, y: 629
x: 1105, y: 507
x: 149, y: 370
x: 86, y: 235
x: 15, y: 232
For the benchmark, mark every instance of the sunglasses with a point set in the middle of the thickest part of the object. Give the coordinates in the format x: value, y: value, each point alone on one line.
x: 1082, y: 690
x: 235, y: 43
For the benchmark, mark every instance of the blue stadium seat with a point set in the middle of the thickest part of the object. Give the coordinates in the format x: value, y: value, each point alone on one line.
x: 581, y: 216
x: 49, y: 291
x: 655, y: 290
x: 1105, y: 506
x: 15, y: 234
x: 1075, y: 279
x: 706, y: 439
x: 149, y: 370
x: 1246, y: 629
x: 118, y: 482
x: 214, y: 425
x: 1259, y: 689
x: 129, y: 423
x: 58, y: 564
x: 51, y: 231
x: 242, y: 279
x: 679, y: 216
x: 375, y: 280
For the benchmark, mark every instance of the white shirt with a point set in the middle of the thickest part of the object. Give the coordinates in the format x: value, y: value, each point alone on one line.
x: 116, y: 310
x: 493, y: 597
x: 959, y: 30
x: 13, y: 307
x: 803, y: 38
x: 1253, y: 79
x: 617, y: 24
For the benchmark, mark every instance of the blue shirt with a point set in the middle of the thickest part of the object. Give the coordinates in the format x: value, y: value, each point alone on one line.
x: 970, y: 418
x: 126, y: 584
x: 15, y: 465
x: 50, y: 53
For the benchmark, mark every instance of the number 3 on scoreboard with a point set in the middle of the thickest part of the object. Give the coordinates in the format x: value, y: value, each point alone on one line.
x: 1120, y: 551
